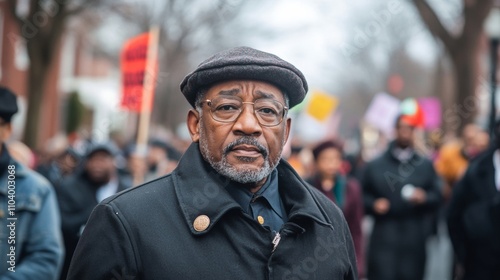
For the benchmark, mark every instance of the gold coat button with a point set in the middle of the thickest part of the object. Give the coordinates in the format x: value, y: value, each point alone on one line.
x: 260, y: 219
x: 201, y: 223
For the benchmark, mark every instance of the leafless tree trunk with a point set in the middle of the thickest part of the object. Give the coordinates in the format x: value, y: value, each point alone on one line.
x: 41, y: 29
x: 464, y: 50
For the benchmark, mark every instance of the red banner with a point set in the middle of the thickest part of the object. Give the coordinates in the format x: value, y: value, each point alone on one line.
x: 134, y: 61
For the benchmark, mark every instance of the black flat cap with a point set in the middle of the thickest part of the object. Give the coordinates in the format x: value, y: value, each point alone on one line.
x: 8, y: 104
x: 244, y: 63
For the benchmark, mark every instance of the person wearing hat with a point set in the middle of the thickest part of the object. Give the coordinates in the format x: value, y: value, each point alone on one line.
x: 232, y: 208
x: 160, y: 160
x: 78, y: 194
x: 30, y: 236
x: 474, y: 216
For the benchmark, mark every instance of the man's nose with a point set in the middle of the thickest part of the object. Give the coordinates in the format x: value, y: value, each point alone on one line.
x: 247, y: 122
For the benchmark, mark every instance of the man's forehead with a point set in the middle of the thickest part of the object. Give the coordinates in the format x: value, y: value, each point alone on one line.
x: 243, y: 87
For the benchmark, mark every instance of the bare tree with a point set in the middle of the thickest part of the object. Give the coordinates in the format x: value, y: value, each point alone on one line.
x: 187, y: 28
x: 42, y: 27
x: 463, y: 49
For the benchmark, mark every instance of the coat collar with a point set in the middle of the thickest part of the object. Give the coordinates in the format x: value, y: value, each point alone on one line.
x: 389, y: 153
x: 201, y: 190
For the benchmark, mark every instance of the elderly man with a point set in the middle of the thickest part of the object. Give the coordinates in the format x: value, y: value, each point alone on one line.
x: 30, y: 238
x: 232, y: 209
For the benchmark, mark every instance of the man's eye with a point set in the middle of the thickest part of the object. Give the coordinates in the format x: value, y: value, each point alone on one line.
x: 226, y: 107
x: 267, y: 111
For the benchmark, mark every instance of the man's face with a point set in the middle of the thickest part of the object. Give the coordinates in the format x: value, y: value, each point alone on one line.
x: 100, y: 167
x: 404, y: 134
x: 244, y: 150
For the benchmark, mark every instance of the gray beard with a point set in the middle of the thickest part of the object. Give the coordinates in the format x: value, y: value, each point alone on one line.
x: 240, y: 175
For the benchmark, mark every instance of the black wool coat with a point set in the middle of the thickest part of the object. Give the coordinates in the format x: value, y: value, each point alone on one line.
x: 76, y: 198
x: 397, y: 243
x: 149, y: 232
x: 474, y: 220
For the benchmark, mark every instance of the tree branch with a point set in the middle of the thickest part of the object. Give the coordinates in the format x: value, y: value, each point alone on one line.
x: 78, y: 9
x: 435, y: 26
x: 475, y: 14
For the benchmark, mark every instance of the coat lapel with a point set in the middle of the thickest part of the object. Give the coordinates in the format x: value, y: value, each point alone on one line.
x: 201, y: 190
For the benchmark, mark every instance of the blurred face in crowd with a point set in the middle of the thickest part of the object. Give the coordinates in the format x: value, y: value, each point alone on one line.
x: 67, y: 163
x: 481, y: 141
x: 469, y: 133
x: 404, y: 133
x: 329, y: 162
x: 5, y: 131
x: 244, y: 150
x: 100, y: 167
x: 156, y: 155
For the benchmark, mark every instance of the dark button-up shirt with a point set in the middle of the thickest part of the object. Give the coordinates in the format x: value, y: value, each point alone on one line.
x: 265, y: 205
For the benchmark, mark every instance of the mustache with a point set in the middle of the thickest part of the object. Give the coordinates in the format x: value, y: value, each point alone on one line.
x: 246, y: 140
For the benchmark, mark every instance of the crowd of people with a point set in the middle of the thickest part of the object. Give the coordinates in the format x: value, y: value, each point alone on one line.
x: 70, y: 225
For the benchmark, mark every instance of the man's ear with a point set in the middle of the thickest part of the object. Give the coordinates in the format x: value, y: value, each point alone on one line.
x: 193, y: 123
x: 288, y: 125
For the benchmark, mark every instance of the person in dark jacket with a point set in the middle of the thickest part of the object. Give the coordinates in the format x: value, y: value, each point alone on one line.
x: 79, y: 193
x: 344, y: 191
x: 474, y: 216
x: 232, y: 209
x: 31, y: 245
x: 401, y: 191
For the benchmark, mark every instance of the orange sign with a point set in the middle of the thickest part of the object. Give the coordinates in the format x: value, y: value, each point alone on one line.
x: 134, y: 58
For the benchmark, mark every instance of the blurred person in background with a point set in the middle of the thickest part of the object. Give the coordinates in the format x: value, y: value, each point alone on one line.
x: 474, y: 217
x: 345, y: 192
x: 51, y: 149
x: 295, y: 160
x: 21, y: 153
x: 453, y: 157
x: 401, y: 190
x: 158, y: 160
x: 482, y: 141
x: 60, y: 166
x: 79, y: 193
x: 136, y: 168
x: 38, y: 251
x: 451, y: 162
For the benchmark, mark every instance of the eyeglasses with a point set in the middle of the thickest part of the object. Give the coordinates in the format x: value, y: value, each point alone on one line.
x: 269, y: 112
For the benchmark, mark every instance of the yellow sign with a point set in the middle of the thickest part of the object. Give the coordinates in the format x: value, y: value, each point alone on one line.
x: 321, y: 105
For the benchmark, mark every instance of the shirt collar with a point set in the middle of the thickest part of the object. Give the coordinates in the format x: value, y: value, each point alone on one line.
x: 269, y: 191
